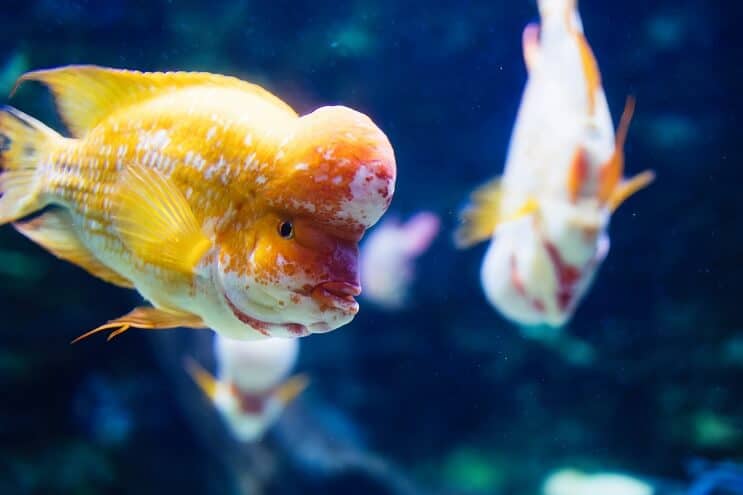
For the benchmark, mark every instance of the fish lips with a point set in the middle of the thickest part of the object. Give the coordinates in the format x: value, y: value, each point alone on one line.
x: 338, y: 296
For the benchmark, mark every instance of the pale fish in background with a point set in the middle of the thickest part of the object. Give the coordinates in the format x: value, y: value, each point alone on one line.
x: 208, y: 195
x: 251, y: 388
x: 549, y: 213
x: 387, y: 263
x: 572, y: 482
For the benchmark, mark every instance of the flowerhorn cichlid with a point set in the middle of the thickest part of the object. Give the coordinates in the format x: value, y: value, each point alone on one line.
x: 252, y: 388
x: 549, y: 213
x: 207, y: 194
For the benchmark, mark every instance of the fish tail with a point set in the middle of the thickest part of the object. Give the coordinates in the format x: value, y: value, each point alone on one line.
x: 23, y: 142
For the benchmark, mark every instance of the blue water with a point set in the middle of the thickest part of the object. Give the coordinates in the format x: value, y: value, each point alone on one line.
x: 445, y: 396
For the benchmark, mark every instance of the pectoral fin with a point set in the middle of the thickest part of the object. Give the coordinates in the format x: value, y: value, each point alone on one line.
x: 146, y: 318
x: 482, y: 216
x: 203, y: 379
x: 155, y: 221
x: 291, y: 389
x: 54, y: 231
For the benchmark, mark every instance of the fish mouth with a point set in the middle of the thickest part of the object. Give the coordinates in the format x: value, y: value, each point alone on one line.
x: 337, y: 296
x: 265, y: 328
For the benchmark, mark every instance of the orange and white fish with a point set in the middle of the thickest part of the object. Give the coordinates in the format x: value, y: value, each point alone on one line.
x: 207, y: 194
x: 549, y: 213
x: 388, y: 256
x: 251, y: 390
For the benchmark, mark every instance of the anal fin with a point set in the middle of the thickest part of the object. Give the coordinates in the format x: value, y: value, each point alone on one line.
x: 54, y: 231
x: 148, y: 318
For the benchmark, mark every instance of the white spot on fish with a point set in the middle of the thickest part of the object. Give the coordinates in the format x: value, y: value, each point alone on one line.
x: 337, y: 179
x: 211, y: 132
x: 248, y: 139
x: 261, y: 179
x: 249, y: 161
x: 159, y: 140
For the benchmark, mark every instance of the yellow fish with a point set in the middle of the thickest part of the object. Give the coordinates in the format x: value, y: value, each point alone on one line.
x: 208, y: 194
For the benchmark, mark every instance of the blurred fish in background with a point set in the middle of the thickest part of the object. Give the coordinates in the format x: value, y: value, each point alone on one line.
x: 250, y: 391
x: 388, y: 255
x: 548, y: 215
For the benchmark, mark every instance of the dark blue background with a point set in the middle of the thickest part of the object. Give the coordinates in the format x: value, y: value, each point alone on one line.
x: 446, y: 391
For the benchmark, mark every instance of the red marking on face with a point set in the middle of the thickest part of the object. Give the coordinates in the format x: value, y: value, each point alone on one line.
x: 567, y: 276
x: 264, y: 327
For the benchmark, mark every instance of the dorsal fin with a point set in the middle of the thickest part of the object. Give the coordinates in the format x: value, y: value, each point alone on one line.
x: 86, y: 94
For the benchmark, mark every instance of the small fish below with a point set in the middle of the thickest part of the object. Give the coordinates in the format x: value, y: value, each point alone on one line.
x: 207, y: 194
x: 548, y: 215
x: 251, y: 390
x: 388, y: 257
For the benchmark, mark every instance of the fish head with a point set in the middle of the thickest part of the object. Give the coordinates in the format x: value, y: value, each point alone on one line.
x: 334, y: 179
x: 288, y: 276
x: 538, y: 268
x: 335, y: 176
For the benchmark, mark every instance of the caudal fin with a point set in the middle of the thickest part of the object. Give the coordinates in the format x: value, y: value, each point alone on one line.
x: 23, y: 142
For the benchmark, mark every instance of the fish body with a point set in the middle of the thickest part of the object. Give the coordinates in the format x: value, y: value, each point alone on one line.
x: 388, y: 255
x: 549, y: 213
x: 207, y: 194
x: 251, y: 388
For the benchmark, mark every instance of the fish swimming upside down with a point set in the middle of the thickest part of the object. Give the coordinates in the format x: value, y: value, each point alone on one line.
x: 548, y: 215
x: 207, y: 194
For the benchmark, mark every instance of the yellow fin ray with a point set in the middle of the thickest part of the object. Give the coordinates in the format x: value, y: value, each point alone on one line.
x: 146, y: 318
x: 86, y: 94
x: 291, y: 389
x: 203, y: 379
x: 54, y: 231
x: 629, y: 187
x: 479, y: 220
x: 611, y: 173
x: 155, y: 221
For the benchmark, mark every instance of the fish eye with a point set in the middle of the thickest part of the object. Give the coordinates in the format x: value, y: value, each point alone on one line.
x: 286, y: 229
